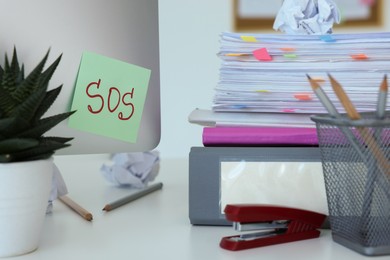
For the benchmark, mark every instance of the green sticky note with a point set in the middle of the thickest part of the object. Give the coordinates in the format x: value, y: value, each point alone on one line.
x: 109, y: 97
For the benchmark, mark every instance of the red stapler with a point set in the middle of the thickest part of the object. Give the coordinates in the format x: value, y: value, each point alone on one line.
x: 275, y: 225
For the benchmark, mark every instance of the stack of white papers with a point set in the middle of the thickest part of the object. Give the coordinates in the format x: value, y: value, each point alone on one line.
x: 268, y: 72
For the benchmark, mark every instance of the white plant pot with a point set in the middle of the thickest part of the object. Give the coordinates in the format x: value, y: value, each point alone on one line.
x: 24, y: 193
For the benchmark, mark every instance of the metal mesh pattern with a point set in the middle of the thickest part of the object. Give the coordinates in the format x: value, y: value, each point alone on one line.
x: 355, y: 160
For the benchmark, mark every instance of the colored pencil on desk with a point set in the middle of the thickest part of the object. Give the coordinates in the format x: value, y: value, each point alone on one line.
x: 365, y: 134
x: 327, y: 103
x: 372, y: 145
x: 381, y: 106
x: 76, y: 207
x: 323, y: 97
x: 344, y: 99
x: 382, y: 99
x: 132, y: 197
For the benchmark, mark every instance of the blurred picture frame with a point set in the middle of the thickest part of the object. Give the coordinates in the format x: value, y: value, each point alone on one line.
x: 259, y: 15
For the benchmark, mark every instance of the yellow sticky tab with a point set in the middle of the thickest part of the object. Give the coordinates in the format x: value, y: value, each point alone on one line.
x: 247, y: 38
x: 236, y: 54
x: 262, y: 91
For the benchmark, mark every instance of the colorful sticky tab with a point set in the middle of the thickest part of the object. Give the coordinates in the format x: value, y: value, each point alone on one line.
x: 288, y: 110
x: 248, y: 38
x: 327, y: 38
x: 109, y: 97
x: 262, y: 54
x: 236, y: 54
x: 287, y: 49
x: 290, y: 55
x: 360, y: 56
x: 303, y: 96
x: 262, y: 91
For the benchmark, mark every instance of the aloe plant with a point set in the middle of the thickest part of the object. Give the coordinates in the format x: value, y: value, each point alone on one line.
x: 23, y: 103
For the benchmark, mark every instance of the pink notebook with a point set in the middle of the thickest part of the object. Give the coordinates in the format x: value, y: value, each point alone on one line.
x: 255, y: 136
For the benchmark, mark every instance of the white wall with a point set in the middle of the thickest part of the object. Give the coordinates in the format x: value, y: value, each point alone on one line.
x: 189, y: 35
x: 189, y: 67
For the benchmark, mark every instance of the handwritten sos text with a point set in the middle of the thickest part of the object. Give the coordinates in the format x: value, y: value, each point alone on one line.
x: 114, y: 100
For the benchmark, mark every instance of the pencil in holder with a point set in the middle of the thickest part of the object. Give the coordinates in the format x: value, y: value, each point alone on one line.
x: 355, y: 163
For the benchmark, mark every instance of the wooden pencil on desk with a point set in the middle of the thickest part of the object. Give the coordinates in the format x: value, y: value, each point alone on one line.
x: 132, y: 197
x: 76, y: 207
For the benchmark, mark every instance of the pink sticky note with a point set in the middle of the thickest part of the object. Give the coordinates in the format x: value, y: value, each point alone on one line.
x: 262, y: 54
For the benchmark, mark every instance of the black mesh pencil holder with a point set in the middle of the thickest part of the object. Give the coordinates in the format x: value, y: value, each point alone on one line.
x: 356, y: 168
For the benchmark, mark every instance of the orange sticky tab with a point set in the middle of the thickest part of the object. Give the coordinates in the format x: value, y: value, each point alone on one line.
x: 303, y: 96
x: 247, y: 38
x: 287, y: 49
x: 360, y: 56
x: 262, y: 54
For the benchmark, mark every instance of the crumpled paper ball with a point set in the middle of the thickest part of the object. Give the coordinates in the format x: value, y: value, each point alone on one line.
x: 307, y: 17
x: 132, y: 169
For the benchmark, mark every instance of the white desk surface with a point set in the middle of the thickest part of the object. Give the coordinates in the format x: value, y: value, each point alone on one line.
x: 153, y: 227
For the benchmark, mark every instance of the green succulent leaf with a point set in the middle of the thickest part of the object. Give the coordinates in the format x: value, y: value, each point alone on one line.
x: 43, y: 150
x: 45, y: 125
x: 57, y: 139
x: 11, y: 126
x: 28, y: 108
x: 17, y: 144
x: 46, y: 103
x: 7, y: 102
x: 8, y: 77
x: 1, y: 72
x: 15, y: 68
x: 23, y: 103
x: 30, y: 84
x: 48, y: 73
